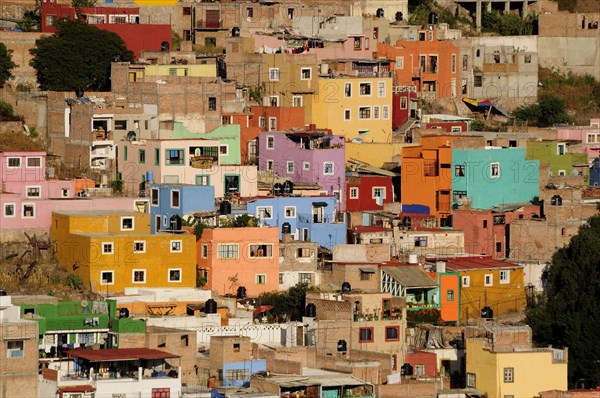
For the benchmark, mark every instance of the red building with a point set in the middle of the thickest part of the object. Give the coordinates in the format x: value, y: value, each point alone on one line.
x: 124, y: 21
x: 404, y: 105
x: 423, y: 363
x: 368, y: 191
x: 448, y: 127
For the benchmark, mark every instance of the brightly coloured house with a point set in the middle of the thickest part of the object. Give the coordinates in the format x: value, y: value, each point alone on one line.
x: 562, y: 157
x: 172, y: 203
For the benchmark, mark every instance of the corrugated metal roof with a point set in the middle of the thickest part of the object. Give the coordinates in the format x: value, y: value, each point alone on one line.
x: 409, y: 276
x: 120, y: 354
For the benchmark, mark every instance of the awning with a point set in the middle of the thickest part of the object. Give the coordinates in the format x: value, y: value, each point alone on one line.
x: 319, y: 204
x: 484, y: 105
x: 262, y: 308
x: 120, y: 354
x: 367, y: 270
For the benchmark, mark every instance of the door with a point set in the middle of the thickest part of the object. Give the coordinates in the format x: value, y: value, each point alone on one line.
x: 318, y: 214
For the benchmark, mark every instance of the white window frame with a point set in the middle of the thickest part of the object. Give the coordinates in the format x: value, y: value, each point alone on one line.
x: 8, y: 159
x: 381, y: 85
x: 456, y: 129
x: 64, y: 192
x: 264, y: 277
x: 112, y: 278
x: 272, y: 124
x: 330, y: 173
x: 305, y: 165
x: 370, y: 90
x: 354, y: 192
x: 169, y: 275
x: 506, y: 279
x: 14, y: 207
x: 23, y: 210
x: 562, y: 173
x: 133, y: 271
x: 27, y: 166
x: 403, y: 102
x: 360, y: 117
x: 383, y: 190
x: 591, y: 141
x: 491, y: 280
x: 471, y: 380
x: 226, y: 146
x: 302, y: 70
x: 347, y: 84
x: 28, y: 187
x: 204, y: 250
x: 465, y: 281
x: 272, y: 147
x: 171, y: 198
x: 262, y: 122
x: 564, y: 146
x: 157, y: 197
x: 261, y: 244
x: 143, y: 242
x: 287, y: 167
x: 132, y: 223
x: 385, y: 112
x: 294, y: 104
x: 19, y: 350
x: 399, y: 62
x: 237, y: 251
x: 112, y: 247
x: 285, y: 211
x: 492, y: 170
x: 376, y: 112
x: 271, y: 97
x: 270, y: 165
x: 258, y: 211
x: 273, y: 74
x: 180, y: 246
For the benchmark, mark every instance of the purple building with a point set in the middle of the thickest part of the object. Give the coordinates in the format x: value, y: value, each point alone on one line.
x: 306, y: 156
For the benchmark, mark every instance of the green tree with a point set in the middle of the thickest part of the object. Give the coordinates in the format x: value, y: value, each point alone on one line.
x: 83, y: 3
x: 548, y: 111
x: 32, y: 21
x: 568, y: 314
x: 288, y: 305
x: 77, y: 56
x: 6, y: 64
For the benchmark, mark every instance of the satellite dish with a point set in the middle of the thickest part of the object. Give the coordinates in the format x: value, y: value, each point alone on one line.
x: 84, y: 303
x: 460, y: 201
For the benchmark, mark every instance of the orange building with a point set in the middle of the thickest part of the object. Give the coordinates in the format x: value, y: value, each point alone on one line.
x: 450, y: 297
x: 429, y: 64
x: 229, y: 258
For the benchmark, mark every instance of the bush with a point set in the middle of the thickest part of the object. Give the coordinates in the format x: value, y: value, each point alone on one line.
x: 478, y: 125
x: 74, y: 282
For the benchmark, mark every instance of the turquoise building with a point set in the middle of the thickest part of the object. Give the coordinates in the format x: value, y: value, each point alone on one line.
x: 493, y: 176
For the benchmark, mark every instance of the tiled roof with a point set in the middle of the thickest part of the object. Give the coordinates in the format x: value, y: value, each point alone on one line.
x: 476, y: 262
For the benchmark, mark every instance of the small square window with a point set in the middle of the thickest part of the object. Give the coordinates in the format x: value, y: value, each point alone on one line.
x: 504, y: 276
x: 236, y: 347
x: 365, y: 335
x: 33, y: 192
x: 392, y: 333
x: 261, y: 279
x: 273, y: 74
x: 290, y: 211
x: 14, y: 162
x: 9, y: 210
x: 269, y: 165
x: 328, y: 168
x: 28, y: 210
x: 34, y: 162
x: 139, y: 246
x: 364, y: 88
x: 64, y: 193
x: 176, y: 246
x: 108, y: 248
x: 378, y: 192
x: 264, y: 212
x: 261, y: 251
x: 107, y: 278
x: 187, y: 10
x: 459, y: 170
x: 420, y: 241
x: 138, y: 276
x: 305, y: 73
x: 15, y: 349
x: 174, y: 274
x: 354, y: 193
x: 305, y: 165
x: 126, y: 223
x: 466, y: 281
x: 305, y: 278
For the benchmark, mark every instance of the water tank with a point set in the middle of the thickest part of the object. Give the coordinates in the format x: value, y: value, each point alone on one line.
x: 399, y: 16
x: 556, y: 200
x: 324, y: 69
x: 412, y: 259
x: 487, y: 312
x: 235, y: 32
x: 164, y: 46
x: 241, y: 292
x: 225, y: 207
x: 210, y: 306
x: 432, y: 19
x: 2, y: 293
x: 342, y: 346
x: 123, y: 313
x: 286, y: 228
x: 278, y: 189
x: 288, y: 187
x: 406, y: 369
x: 380, y: 13
x: 175, y: 223
x: 346, y: 287
x: 149, y: 176
x: 311, y: 310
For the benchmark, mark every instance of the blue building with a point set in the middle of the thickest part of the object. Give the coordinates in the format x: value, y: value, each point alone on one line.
x: 311, y: 218
x: 595, y: 173
x: 238, y: 374
x: 169, y: 201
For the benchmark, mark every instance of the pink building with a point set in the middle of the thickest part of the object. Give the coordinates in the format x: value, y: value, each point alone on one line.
x: 589, y: 136
x: 29, y: 197
x: 229, y: 258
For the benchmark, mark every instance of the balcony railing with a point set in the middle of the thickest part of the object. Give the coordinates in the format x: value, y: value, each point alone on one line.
x: 318, y: 219
x: 208, y: 24
x: 404, y: 89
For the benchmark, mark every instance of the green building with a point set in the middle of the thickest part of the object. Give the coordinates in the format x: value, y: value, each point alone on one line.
x: 558, y: 156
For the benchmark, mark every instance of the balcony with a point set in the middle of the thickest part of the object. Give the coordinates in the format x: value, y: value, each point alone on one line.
x: 204, y: 24
x: 404, y: 89
x: 320, y: 219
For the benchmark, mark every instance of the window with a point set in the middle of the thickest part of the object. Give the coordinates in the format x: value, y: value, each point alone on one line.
x: 33, y: 192
x: 272, y: 123
x: 420, y: 241
x: 108, y: 248
x: 262, y: 121
x: 261, y: 279
x: 488, y: 280
x: 305, y: 277
x: 485, y: 223
x: 477, y: 81
x: 305, y: 73
x: 14, y: 162
x: 453, y: 63
x: 289, y: 167
x: 50, y: 20
x: 466, y: 281
x: 281, y: 278
x: 494, y: 170
x: 273, y: 74
x: 28, y: 210
x: 120, y: 124
x: 161, y: 392
x: 154, y: 196
x: 379, y: 192
x: 399, y: 62
x: 459, y: 170
x: 561, y: 149
x: 212, y: 103
x: 174, y: 274
x: 364, y: 112
x: 392, y: 333
x: 385, y: 112
x: 376, y: 113
x: 142, y: 156
x: 290, y: 211
x: 176, y: 246
x: 354, y: 193
x: 187, y: 10
x: 562, y: 172
x: 202, y: 180
x: 269, y: 165
x: 403, y: 103
x: 9, y: 210
x: 223, y: 150
x: 304, y: 252
x: 509, y: 375
x: 381, y: 89
x: 139, y: 246
x: 357, y: 43
x: 498, y: 247
x: 471, y: 380
x: 504, y: 276
x: 228, y: 250
x: 174, y: 157
x: 450, y: 296
x: 297, y: 101
x: 138, y: 276
x: 64, y: 193
x: 107, y: 278
x: 290, y: 13
x: 347, y: 90
x: 175, y: 202
x: 14, y: 349
x: 127, y: 223
x: 125, y: 153
x: 261, y: 250
x: 270, y: 142
x: 305, y: 165
x: 250, y: 12
x: 591, y: 138
x: 347, y: 114
x: 328, y: 168
x: 34, y: 162
x: 465, y: 62
x: 364, y: 88
x: 264, y: 212
x: 456, y: 129
x: 204, y: 252
x: 365, y: 335
x: 237, y: 374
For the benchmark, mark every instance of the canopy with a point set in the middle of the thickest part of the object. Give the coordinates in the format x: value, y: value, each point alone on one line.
x: 262, y: 308
x: 484, y: 105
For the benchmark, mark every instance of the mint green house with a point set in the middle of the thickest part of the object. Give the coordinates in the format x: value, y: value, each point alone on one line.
x: 559, y: 157
x: 493, y: 176
x: 228, y: 136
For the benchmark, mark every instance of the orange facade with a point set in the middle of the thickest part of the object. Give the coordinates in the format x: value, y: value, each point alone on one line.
x: 450, y: 297
x: 427, y: 176
x: 233, y: 257
x: 429, y: 64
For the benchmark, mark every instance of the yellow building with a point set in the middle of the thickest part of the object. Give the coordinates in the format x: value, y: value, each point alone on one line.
x: 355, y: 107
x: 375, y: 154
x: 505, y: 365
x: 112, y: 251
